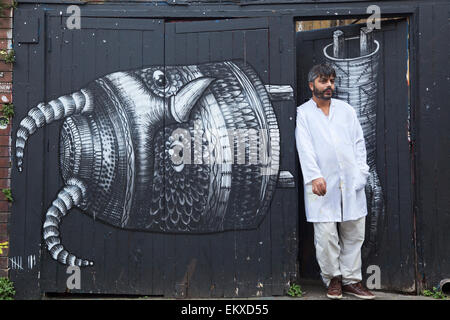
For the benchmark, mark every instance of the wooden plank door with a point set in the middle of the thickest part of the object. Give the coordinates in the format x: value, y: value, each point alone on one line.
x: 122, y: 258
x: 73, y: 59
x: 250, y: 256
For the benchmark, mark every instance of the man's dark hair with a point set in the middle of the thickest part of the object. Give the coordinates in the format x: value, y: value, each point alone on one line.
x: 321, y: 70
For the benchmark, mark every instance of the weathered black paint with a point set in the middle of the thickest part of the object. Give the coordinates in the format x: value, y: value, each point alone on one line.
x: 171, y: 270
x: 431, y: 129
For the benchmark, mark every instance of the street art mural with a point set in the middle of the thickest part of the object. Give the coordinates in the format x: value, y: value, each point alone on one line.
x: 121, y: 132
x: 356, y: 83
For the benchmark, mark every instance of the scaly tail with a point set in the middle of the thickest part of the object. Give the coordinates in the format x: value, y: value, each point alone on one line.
x: 72, y: 195
x: 46, y: 113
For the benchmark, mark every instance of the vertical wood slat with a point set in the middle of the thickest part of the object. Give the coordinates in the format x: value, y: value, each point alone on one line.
x: 186, y: 247
x: 116, y: 262
x: 114, y: 44
x: 170, y: 249
x: 84, y: 46
x: 69, y: 228
x: 262, y: 242
x: 221, y: 242
x: 288, y: 154
x: 27, y: 186
x: 159, y: 270
x: 277, y: 248
x: 405, y: 189
x: 213, y: 280
x: 54, y: 44
x: 136, y: 245
x: 152, y: 282
x: 391, y: 165
x: 432, y: 151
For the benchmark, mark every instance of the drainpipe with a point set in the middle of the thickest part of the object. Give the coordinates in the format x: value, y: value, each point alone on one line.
x: 445, y: 286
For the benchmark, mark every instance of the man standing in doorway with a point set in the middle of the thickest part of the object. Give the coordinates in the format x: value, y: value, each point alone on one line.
x: 332, y: 153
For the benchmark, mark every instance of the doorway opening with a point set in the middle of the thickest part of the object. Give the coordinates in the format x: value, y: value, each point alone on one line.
x: 372, y: 65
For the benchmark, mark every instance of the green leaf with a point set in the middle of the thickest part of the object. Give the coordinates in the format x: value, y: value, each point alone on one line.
x: 295, y: 290
x: 7, y: 291
x: 8, y: 195
x: 8, y: 110
x: 8, y: 55
x: 435, y: 293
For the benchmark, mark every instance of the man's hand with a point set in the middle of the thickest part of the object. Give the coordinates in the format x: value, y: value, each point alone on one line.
x: 319, y: 186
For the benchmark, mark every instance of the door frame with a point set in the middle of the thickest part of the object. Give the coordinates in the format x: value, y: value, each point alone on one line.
x: 411, y: 16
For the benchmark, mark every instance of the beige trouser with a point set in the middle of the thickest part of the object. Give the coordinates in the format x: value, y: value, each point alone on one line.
x: 339, y: 254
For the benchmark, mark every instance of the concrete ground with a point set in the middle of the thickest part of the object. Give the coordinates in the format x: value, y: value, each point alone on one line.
x: 312, y: 290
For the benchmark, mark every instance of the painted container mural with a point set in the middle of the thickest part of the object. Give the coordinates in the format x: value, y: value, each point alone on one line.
x: 113, y: 170
x: 162, y: 157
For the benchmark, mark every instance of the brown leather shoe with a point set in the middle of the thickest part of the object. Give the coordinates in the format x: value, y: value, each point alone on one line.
x: 357, y: 290
x: 335, y: 289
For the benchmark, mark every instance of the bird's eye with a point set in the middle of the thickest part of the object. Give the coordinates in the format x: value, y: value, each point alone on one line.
x: 159, y: 78
x: 176, y: 152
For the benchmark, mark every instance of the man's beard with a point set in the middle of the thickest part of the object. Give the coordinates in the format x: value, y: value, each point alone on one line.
x: 321, y: 94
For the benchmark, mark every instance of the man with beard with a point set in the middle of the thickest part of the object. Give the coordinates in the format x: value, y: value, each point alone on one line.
x: 332, y: 155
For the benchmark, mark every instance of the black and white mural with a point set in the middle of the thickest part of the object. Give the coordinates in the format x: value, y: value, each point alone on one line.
x: 182, y: 149
x: 356, y: 83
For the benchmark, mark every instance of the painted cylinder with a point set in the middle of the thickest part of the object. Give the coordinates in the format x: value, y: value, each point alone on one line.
x: 118, y: 137
x: 356, y: 83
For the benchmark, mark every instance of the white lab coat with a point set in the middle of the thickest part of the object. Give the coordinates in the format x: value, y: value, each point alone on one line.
x: 332, y: 147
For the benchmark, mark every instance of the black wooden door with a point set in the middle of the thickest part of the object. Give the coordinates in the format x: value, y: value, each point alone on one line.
x: 381, y: 102
x: 122, y: 259
x: 100, y: 185
x: 250, y: 257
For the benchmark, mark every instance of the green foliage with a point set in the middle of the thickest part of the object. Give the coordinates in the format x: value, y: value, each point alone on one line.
x: 7, y: 291
x: 4, y: 121
x: 295, y: 290
x: 8, y: 110
x: 435, y: 293
x: 8, y: 195
x: 8, y: 55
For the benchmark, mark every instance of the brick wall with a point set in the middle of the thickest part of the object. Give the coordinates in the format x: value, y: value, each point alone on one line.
x: 5, y: 97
